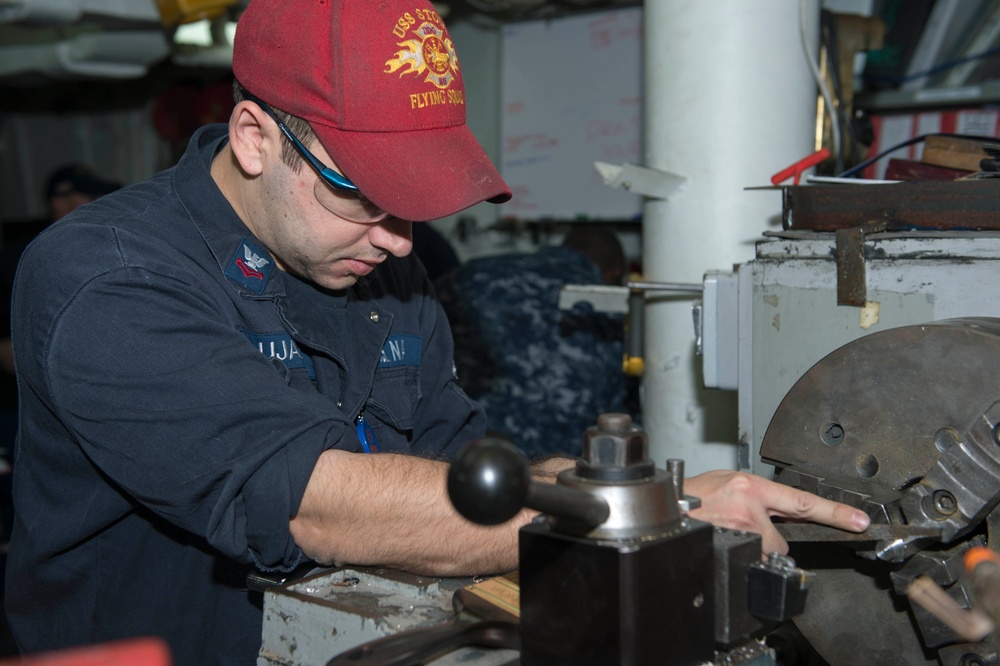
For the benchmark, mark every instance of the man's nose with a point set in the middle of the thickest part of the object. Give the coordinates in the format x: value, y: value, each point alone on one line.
x: 394, y: 236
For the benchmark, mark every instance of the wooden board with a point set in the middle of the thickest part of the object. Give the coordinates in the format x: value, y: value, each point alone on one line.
x: 954, y: 152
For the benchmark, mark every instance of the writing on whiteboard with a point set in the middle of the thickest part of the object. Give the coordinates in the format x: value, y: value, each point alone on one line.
x: 571, y: 95
x: 607, y: 30
x: 529, y: 142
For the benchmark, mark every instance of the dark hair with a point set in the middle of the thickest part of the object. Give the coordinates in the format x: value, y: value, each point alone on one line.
x: 78, y: 178
x: 298, y: 127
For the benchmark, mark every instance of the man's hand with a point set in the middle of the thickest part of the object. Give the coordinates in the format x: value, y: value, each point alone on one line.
x: 547, y: 469
x: 746, y: 502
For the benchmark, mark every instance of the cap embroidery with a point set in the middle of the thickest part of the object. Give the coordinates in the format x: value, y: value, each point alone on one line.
x: 431, y: 51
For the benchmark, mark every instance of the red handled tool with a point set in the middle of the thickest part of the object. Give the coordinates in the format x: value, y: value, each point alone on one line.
x: 800, y: 166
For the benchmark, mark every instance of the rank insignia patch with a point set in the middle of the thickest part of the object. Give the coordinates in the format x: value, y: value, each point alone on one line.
x: 251, y: 265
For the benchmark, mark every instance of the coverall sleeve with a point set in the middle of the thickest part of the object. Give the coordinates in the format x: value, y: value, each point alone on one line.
x: 169, y: 404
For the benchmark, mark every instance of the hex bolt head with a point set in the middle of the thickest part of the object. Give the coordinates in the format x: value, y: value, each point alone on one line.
x: 944, y: 502
x: 615, y: 442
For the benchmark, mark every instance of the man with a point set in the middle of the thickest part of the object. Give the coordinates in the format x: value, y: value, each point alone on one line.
x: 542, y: 374
x: 207, y: 358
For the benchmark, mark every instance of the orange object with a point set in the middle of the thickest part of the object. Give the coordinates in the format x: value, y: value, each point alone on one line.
x: 982, y: 568
x: 134, y: 652
x: 800, y: 166
x: 976, y: 556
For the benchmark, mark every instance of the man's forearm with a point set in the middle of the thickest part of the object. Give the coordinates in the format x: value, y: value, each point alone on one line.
x: 393, y: 510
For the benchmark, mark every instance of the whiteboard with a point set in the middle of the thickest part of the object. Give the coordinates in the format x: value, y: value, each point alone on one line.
x: 571, y: 91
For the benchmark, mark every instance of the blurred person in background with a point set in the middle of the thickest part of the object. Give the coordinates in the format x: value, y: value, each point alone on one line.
x: 71, y: 186
x: 542, y: 374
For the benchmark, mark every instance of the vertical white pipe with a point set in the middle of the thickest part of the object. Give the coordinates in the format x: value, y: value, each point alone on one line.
x: 729, y: 101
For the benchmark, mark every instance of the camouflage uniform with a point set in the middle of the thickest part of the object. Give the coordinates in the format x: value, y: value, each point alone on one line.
x: 542, y: 374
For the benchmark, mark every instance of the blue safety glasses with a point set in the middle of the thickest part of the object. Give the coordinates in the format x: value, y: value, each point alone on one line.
x: 332, y: 178
x: 332, y: 190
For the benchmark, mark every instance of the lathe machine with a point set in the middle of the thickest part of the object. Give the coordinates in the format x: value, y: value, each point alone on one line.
x: 904, y: 423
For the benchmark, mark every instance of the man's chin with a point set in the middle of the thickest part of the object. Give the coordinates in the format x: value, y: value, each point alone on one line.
x: 335, y: 283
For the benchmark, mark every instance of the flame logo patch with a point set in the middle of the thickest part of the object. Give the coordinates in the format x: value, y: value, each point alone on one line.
x: 431, y: 51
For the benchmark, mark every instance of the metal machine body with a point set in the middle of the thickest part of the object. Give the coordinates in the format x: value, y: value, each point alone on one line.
x: 767, y: 324
x: 905, y: 424
x: 604, y: 617
x: 915, y: 447
x: 619, y: 583
x: 614, y: 571
x: 791, y: 315
x: 307, y: 621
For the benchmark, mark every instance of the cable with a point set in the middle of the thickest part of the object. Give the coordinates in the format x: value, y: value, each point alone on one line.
x: 821, y: 84
x: 937, y: 69
x: 849, y: 149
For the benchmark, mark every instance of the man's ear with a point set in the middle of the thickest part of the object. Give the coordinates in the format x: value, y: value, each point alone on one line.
x: 253, y: 137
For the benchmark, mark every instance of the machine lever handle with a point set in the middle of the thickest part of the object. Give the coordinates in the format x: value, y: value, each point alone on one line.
x: 490, y: 481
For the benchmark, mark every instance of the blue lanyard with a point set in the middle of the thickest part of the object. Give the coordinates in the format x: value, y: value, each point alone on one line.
x: 365, y: 434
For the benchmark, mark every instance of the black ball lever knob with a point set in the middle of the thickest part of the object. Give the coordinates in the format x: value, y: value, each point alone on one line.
x: 488, y: 482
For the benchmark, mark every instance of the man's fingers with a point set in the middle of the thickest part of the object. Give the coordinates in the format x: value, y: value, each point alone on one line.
x: 798, y: 504
x: 771, y: 540
x: 747, y: 502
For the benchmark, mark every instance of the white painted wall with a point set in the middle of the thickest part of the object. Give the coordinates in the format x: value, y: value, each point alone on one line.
x: 729, y: 101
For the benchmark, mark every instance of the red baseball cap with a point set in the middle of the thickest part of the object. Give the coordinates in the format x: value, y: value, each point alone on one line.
x: 379, y: 83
